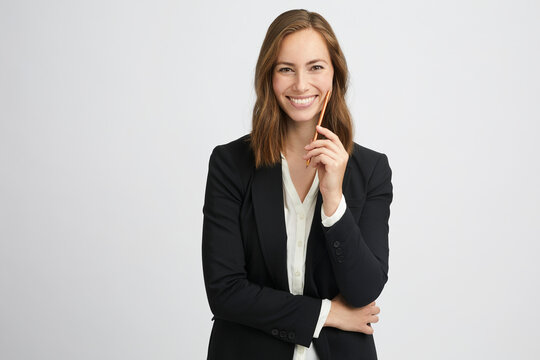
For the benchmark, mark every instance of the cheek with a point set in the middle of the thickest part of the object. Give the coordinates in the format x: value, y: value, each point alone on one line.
x: 330, y: 79
x: 277, y: 85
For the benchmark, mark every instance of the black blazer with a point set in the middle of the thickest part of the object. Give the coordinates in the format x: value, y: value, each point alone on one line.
x: 244, y: 258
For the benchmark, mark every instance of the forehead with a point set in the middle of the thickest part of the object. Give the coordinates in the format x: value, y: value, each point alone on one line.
x: 302, y: 46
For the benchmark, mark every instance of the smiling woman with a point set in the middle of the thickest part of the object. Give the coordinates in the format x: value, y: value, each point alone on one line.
x: 291, y: 270
x: 284, y: 51
x: 302, y: 75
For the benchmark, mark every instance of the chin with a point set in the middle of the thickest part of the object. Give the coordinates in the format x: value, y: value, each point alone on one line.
x: 301, y: 118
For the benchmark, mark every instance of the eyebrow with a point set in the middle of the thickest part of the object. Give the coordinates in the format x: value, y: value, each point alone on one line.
x: 308, y: 63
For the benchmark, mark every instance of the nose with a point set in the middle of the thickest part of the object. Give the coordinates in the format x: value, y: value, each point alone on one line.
x: 300, y: 82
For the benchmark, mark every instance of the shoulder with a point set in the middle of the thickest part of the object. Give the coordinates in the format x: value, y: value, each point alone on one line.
x: 367, y: 159
x: 233, y: 160
x: 370, y: 165
x: 237, y: 152
x: 240, y: 145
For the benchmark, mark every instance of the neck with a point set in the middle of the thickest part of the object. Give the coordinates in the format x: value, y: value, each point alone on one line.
x: 299, y: 134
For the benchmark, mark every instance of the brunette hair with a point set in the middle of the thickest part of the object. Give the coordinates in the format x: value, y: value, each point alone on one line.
x: 269, y: 125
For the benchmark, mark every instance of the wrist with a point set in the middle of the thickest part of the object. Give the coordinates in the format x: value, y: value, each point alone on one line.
x: 332, y: 318
x: 331, y: 203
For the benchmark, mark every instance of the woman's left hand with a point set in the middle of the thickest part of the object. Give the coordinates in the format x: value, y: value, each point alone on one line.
x: 330, y: 158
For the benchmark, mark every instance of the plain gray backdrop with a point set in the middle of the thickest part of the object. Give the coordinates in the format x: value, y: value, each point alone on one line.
x: 109, y: 111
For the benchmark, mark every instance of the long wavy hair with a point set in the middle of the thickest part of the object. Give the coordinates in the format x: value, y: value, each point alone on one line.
x: 269, y: 125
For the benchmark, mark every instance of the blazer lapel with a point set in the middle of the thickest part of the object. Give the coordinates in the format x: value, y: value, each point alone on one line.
x: 267, y: 192
x: 315, y: 249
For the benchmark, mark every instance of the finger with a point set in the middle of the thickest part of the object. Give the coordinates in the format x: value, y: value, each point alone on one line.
x: 319, y: 151
x: 323, y: 143
x: 376, y: 310
x: 315, y: 162
x: 374, y: 319
x: 367, y: 329
x: 321, y: 159
x: 329, y: 135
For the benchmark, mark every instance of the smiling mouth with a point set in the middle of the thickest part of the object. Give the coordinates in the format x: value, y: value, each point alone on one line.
x: 303, y: 101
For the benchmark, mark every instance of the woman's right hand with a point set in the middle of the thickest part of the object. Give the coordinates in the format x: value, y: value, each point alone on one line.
x: 345, y: 317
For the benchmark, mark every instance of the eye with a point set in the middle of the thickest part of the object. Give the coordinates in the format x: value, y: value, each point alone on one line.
x: 317, y: 67
x: 285, y: 69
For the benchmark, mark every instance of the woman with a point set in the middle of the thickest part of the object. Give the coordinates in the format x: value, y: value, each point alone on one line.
x: 280, y: 239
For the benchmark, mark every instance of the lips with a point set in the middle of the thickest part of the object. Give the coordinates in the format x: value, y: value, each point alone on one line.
x: 301, y: 102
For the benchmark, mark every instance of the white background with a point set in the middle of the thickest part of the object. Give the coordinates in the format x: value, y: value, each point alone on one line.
x: 109, y: 111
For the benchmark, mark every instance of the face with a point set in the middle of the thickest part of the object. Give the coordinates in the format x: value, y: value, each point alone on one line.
x: 302, y: 75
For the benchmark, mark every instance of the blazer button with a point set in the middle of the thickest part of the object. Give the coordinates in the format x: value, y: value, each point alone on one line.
x: 336, y: 244
x: 291, y: 336
x: 339, y: 251
x: 275, y: 332
x: 340, y: 259
x: 283, y: 334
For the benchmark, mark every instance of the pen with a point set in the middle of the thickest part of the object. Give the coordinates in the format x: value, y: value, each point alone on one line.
x: 320, y: 119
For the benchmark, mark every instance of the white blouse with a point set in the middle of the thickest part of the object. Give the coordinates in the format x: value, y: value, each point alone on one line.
x: 298, y: 219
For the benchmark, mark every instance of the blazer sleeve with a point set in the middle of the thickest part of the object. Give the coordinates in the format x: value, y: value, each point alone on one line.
x: 358, y: 250
x: 232, y: 297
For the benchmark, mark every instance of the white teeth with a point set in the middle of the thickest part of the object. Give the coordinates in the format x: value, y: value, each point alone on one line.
x: 302, y: 101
